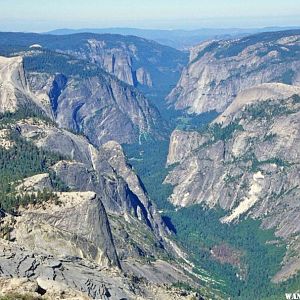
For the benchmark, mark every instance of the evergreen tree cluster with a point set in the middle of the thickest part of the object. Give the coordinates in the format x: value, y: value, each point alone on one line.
x: 23, y: 160
x: 198, y: 230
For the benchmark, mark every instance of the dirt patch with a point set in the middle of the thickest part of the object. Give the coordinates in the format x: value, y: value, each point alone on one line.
x: 225, y: 254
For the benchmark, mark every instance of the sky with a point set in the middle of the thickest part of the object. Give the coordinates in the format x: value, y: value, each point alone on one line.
x: 44, y: 15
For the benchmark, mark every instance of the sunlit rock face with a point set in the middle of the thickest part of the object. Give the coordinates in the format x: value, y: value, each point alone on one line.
x: 247, y: 163
x: 219, y: 70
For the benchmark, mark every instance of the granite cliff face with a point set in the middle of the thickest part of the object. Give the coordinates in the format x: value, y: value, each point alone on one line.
x: 91, y: 102
x: 103, y: 171
x: 96, y: 237
x: 219, y: 70
x: 10, y: 73
x: 102, y: 109
x: 14, y: 89
x: 76, y: 225
x: 134, y: 60
x: 72, y: 234
x: 83, y: 217
x: 117, y: 58
x: 247, y: 163
x: 89, y: 169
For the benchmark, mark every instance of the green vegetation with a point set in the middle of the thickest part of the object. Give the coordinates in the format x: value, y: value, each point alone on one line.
x: 255, y: 164
x: 52, y: 62
x: 192, y: 122
x: 269, y: 109
x: 296, y: 99
x: 198, y: 230
x: 203, y: 291
x: 259, y: 262
x: 24, y: 112
x: 13, y: 201
x: 220, y: 133
x: 21, y: 160
x: 149, y: 160
x: 212, y: 46
x: 235, y: 47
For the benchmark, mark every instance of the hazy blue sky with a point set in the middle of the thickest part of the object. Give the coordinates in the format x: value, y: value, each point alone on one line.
x: 41, y: 15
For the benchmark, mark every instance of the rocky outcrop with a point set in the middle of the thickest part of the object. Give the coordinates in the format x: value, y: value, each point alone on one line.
x: 114, y: 155
x: 13, y: 84
x: 101, y: 283
x: 35, y: 183
x: 182, y: 144
x: 219, y: 70
x: 38, y: 289
x: 54, y: 250
x: 98, y: 106
x: 143, y: 77
x: 67, y: 279
x: 254, y: 95
x: 101, y: 107
x: 104, y: 171
x: 15, y: 92
x: 68, y: 239
x: 248, y: 165
x: 65, y: 224
x: 74, y: 225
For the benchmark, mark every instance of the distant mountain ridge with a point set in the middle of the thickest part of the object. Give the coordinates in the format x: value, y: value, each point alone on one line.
x: 177, y: 38
x: 132, y: 59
